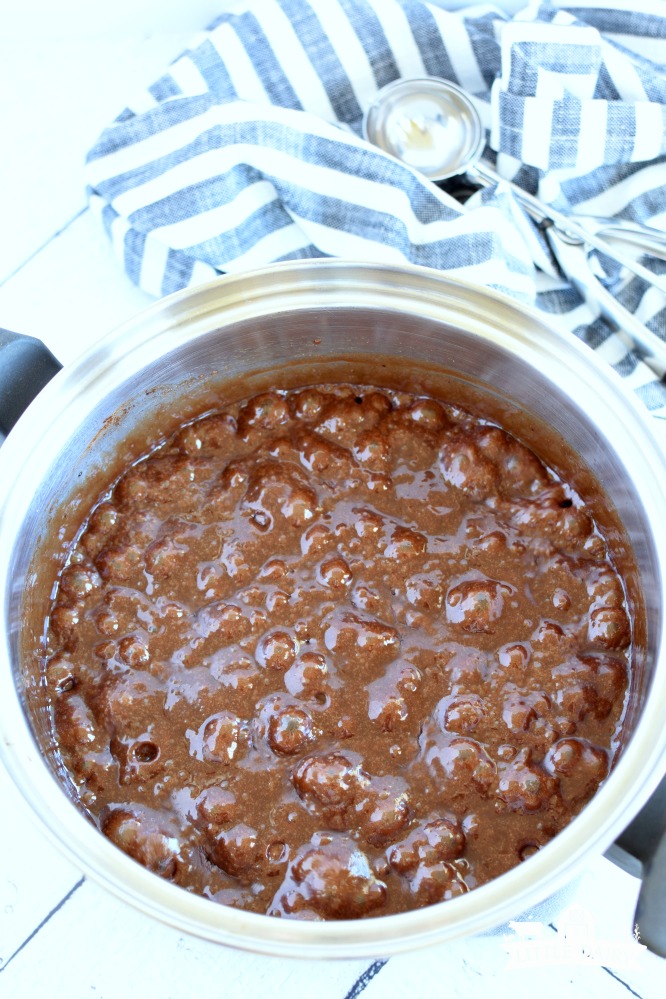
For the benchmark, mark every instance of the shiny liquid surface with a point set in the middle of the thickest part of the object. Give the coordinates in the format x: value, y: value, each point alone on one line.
x: 337, y: 652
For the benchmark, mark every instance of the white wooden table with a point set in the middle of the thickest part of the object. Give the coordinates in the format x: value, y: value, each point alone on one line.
x: 63, y: 77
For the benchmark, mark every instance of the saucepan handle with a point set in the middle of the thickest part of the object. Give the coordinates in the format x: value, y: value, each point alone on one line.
x: 641, y: 850
x: 26, y: 365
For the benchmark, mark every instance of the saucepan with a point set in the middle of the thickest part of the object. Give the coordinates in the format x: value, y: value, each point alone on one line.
x: 281, y: 325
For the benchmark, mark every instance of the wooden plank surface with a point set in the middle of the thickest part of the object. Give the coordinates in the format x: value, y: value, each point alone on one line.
x: 60, y: 935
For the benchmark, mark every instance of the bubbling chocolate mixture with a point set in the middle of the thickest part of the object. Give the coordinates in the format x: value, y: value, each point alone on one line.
x: 337, y: 652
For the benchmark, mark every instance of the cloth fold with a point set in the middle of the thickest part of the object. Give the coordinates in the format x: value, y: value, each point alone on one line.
x: 248, y: 150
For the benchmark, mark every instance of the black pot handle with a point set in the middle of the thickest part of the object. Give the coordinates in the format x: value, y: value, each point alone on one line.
x: 641, y: 850
x: 26, y: 365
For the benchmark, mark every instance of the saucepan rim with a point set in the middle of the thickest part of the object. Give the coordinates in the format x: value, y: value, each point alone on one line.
x: 326, y: 284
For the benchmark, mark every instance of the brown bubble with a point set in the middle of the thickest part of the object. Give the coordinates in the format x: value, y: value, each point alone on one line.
x: 277, y: 650
x: 335, y: 573
x: 476, y: 604
x: 290, y: 731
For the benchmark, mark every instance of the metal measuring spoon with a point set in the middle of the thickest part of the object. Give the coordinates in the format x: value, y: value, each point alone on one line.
x: 433, y: 126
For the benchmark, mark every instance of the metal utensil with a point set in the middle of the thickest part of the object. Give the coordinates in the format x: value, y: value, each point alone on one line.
x: 434, y: 126
x: 645, y: 238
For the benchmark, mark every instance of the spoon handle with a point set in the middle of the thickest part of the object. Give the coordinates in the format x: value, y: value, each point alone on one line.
x: 541, y: 212
x: 644, y: 237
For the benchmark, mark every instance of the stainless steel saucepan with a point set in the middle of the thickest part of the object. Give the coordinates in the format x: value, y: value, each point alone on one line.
x: 379, y: 323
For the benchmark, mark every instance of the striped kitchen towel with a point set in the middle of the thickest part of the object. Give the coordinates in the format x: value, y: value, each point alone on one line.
x: 248, y: 149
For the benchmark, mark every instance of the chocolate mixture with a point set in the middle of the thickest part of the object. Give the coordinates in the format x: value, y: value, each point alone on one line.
x: 337, y: 652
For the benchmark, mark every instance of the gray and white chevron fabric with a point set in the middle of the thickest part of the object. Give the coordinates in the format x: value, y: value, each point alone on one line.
x: 248, y: 150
